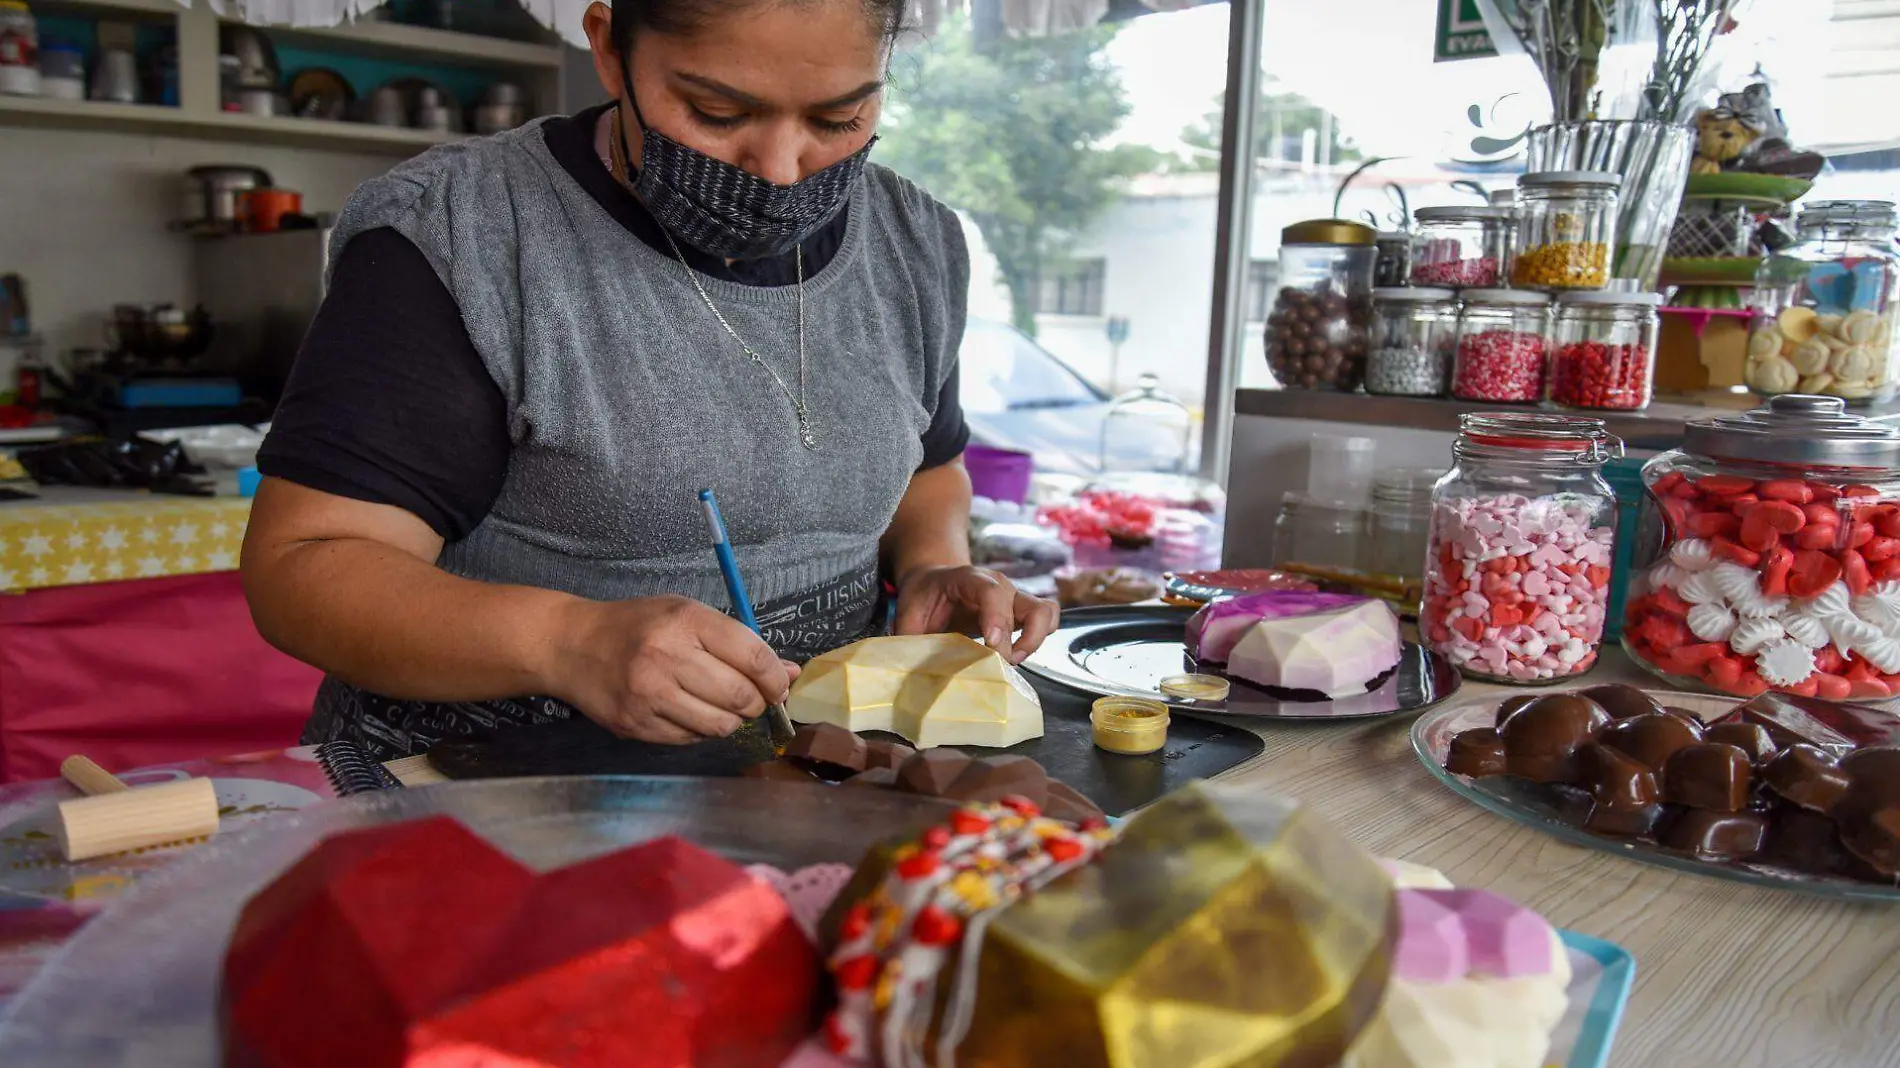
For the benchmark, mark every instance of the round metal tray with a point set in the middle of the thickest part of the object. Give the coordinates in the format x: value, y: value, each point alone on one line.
x: 138, y: 986
x: 1126, y: 650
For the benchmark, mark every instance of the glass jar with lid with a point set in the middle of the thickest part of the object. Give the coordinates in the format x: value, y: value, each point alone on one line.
x: 1317, y: 330
x: 1414, y: 333
x: 1602, y: 349
x: 1767, y: 555
x: 1461, y: 246
x: 1566, y: 229
x: 1150, y: 431
x: 1523, y: 531
x: 1827, y: 325
x: 1501, y: 346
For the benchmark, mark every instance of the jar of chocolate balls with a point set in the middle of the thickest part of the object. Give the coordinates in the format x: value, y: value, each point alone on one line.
x: 1318, y: 331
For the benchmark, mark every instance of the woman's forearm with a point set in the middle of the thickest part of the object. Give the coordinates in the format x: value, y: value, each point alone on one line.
x: 932, y: 524
x: 348, y: 589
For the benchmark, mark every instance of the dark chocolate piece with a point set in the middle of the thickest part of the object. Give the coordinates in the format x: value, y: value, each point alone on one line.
x: 1803, y: 840
x: 1476, y: 752
x: 932, y: 771
x: 1869, y: 813
x: 1807, y: 777
x: 1790, y: 723
x: 886, y: 754
x: 994, y: 778
x: 874, y: 777
x: 1621, y: 701
x: 1066, y: 804
x: 1541, y: 739
x: 1685, y: 715
x: 1714, y: 835
x: 1624, y: 822
x: 779, y: 771
x: 1616, y: 779
x: 1750, y: 738
x: 1709, y: 775
x: 1512, y: 704
x: 1650, y: 739
x: 827, y: 749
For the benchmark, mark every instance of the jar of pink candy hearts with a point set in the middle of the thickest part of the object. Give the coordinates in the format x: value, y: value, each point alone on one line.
x: 1517, y: 572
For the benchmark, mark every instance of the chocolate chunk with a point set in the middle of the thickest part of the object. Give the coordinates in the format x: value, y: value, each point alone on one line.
x: 1869, y: 813
x: 1715, y: 835
x: 1791, y: 722
x: 1804, y: 841
x: 1621, y: 701
x: 827, y: 749
x: 1635, y: 822
x: 1750, y: 738
x: 931, y: 772
x: 778, y: 771
x: 1650, y: 739
x: 1512, y: 704
x: 1477, y: 752
x: 1066, y: 803
x: 1616, y: 779
x: 886, y: 754
x: 873, y: 777
x: 1708, y: 775
x: 994, y: 778
x: 1541, y: 739
x: 1807, y: 777
x: 1684, y: 715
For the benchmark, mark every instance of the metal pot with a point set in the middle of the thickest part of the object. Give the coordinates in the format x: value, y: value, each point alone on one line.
x: 214, y: 192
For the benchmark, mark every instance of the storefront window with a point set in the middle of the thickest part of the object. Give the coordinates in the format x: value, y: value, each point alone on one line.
x: 1088, y: 205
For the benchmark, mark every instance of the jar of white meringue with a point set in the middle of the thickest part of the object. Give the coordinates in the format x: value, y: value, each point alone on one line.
x: 1768, y: 555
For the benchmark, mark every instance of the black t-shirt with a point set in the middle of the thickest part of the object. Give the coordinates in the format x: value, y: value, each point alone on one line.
x: 390, y: 403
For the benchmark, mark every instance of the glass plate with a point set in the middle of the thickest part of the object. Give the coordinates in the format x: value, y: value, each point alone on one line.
x: 1523, y: 802
x: 1126, y: 650
x: 138, y: 985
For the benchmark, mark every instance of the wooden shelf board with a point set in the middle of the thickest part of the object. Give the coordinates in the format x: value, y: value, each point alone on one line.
x: 398, y: 41
x: 225, y: 126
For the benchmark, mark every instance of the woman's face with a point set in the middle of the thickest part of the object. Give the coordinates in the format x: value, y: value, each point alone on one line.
x: 780, y: 89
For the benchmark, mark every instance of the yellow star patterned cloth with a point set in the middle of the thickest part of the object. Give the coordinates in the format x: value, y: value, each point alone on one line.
x: 43, y: 546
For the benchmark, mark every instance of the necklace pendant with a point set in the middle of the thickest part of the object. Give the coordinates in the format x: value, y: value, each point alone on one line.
x: 806, y: 437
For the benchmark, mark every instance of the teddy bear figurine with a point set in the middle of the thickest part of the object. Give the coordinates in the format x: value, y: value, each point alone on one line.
x: 1722, y: 138
x: 1769, y: 151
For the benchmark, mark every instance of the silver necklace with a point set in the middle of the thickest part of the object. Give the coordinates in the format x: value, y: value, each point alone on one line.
x: 806, y: 436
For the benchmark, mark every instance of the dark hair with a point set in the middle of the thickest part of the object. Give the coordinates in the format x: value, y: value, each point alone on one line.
x: 690, y: 16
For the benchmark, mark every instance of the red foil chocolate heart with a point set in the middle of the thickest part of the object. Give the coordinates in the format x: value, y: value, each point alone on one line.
x: 421, y: 943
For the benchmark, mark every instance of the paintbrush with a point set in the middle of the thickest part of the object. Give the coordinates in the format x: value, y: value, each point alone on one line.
x: 775, y: 717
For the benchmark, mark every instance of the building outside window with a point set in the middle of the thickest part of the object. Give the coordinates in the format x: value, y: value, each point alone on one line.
x: 1262, y: 277
x: 1073, y: 289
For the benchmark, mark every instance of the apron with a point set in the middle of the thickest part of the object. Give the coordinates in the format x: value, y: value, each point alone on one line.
x: 799, y: 626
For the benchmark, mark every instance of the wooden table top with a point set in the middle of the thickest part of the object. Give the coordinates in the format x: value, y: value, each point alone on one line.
x: 1728, y: 975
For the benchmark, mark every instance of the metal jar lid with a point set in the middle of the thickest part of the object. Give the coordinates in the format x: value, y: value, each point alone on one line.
x: 1400, y: 294
x: 1525, y: 297
x: 1796, y: 428
x: 1456, y: 213
x: 1328, y: 232
x: 1603, y: 179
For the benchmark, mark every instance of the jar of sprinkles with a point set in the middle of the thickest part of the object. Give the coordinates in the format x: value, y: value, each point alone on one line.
x: 1500, y: 356
x: 1566, y: 229
x: 1414, y: 333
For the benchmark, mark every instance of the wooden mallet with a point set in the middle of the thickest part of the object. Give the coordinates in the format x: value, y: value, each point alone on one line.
x: 113, y: 817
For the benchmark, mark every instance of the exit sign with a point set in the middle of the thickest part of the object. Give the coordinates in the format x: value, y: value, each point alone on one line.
x: 1461, y: 32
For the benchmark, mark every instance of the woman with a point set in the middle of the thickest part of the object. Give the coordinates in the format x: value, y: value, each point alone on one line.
x: 537, y: 347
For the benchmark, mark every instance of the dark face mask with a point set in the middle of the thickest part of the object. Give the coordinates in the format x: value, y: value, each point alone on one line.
x: 726, y: 211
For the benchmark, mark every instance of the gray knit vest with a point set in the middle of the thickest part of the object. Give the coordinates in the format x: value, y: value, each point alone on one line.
x: 626, y: 396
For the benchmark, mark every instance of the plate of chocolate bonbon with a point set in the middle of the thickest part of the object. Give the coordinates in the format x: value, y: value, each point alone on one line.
x: 1128, y: 650
x: 1790, y: 792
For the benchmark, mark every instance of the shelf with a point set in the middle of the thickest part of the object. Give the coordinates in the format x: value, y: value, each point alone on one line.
x: 221, y: 126
x: 140, y: 9
x: 394, y: 40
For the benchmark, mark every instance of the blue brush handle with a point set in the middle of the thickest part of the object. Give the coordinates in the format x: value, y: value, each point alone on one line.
x: 728, y: 564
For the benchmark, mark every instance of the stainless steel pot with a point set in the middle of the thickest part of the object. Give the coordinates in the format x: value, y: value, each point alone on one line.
x: 214, y: 191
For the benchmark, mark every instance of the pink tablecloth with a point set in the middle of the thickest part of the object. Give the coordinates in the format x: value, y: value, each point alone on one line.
x: 141, y: 672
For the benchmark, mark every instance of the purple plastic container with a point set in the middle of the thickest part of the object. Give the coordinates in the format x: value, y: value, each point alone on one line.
x: 999, y: 474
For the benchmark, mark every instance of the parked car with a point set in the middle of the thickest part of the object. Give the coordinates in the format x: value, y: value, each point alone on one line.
x: 1018, y: 395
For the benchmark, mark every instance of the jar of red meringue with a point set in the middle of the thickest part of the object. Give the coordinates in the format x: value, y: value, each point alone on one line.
x: 1768, y: 555
x: 1523, y: 530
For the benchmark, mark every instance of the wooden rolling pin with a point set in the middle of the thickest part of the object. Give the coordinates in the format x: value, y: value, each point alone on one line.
x: 114, y: 818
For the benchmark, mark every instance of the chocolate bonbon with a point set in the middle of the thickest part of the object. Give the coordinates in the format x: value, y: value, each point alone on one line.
x: 1651, y: 739
x: 1477, y: 753
x: 1709, y: 775
x: 1716, y: 835
x: 1622, y: 701
x: 827, y: 749
x: 1805, y: 776
x: 1750, y: 738
x: 1541, y: 739
x: 1869, y: 813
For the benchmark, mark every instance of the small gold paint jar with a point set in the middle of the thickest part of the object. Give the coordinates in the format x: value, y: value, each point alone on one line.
x: 1209, y: 688
x: 1129, y: 725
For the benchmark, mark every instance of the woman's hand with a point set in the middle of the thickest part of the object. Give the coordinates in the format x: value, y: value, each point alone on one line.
x: 964, y: 598
x: 666, y: 669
